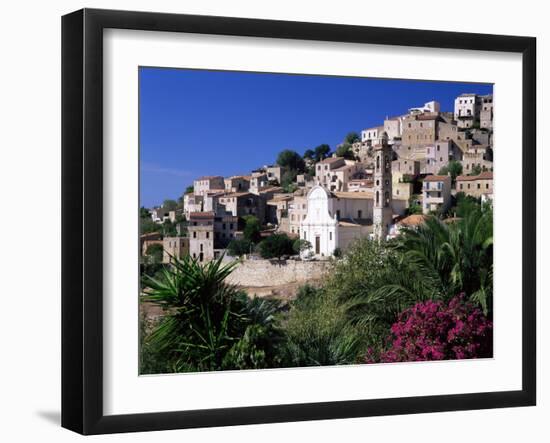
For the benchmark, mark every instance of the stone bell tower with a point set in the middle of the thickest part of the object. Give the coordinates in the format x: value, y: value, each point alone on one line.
x: 382, y: 207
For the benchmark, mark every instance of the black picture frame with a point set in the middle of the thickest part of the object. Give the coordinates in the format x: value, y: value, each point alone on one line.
x: 82, y: 215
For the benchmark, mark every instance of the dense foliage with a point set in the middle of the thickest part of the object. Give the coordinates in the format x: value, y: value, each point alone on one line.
x: 209, y: 325
x: 381, y: 302
x: 436, y: 330
x: 276, y: 246
x: 240, y: 247
x: 252, y: 228
x: 317, y: 332
x: 291, y: 160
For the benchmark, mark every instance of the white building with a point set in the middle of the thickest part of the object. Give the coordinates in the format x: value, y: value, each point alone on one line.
x: 432, y: 106
x: 466, y: 112
x: 329, y: 223
x: 370, y: 134
x: 207, y: 183
x: 436, y: 190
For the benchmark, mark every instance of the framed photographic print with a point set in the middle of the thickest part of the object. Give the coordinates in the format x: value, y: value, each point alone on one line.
x: 269, y: 221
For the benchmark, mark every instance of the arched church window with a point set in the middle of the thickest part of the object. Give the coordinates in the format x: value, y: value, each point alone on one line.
x: 387, y: 164
x: 377, y: 162
x: 386, y: 199
x: 377, y: 197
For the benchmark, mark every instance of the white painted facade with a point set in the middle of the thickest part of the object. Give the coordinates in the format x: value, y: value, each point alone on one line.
x: 371, y: 134
x: 432, y: 106
x: 319, y: 227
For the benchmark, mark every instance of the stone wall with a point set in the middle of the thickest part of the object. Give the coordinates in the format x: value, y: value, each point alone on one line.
x: 264, y: 273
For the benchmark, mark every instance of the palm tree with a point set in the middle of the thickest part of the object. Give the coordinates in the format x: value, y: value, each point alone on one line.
x: 202, y: 312
x: 449, y: 258
x: 209, y: 324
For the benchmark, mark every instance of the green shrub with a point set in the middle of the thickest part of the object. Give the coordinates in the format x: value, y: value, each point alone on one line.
x: 317, y: 332
x: 275, y: 246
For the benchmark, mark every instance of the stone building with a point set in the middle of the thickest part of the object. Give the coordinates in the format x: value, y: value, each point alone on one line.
x: 360, y: 185
x: 406, y: 165
x: 475, y: 185
x: 369, y: 135
x: 476, y: 155
x: 258, y: 182
x: 382, y: 207
x: 201, y: 235
x: 440, y: 154
x: 226, y: 228
x: 436, y: 193
x: 208, y: 183
x: 335, y: 173
x: 237, y: 183
x: 466, y: 112
x: 420, y: 129
x: 274, y: 173
x: 486, y: 112
x: 174, y: 247
x: 297, y: 211
x: 240, y: 204
x: 402, y: 189
x: 146, y: 240
x: 192, y: 203
x: 277, y: 210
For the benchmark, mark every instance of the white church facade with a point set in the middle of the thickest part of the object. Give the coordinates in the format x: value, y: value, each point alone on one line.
x: 335, y: 219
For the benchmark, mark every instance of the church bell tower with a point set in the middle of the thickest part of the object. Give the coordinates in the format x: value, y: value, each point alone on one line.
x: 382, y: 207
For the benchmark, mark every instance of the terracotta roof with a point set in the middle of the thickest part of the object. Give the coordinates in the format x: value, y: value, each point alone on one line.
x: 375, y: 128
x: 234, y: 177
x: 150, y: 235
x: 280, y: 198
x: 436, y: 178
x: 207, y: 214
x: 343, y: 168
x: 237, y: 194
x: 487, y: 175
x: 271, y: 189
x: 363, y: 182
x: 208, y: 177
x: 347, y: 222
x: 353, y: 195
x: 413, y: 220
x: 423, y: 117
x: 331, y: 159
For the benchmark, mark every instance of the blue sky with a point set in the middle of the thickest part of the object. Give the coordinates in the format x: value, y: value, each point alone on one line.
x: 195, y: 122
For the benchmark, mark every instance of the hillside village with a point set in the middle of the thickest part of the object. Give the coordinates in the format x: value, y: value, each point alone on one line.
x: 313, y: 206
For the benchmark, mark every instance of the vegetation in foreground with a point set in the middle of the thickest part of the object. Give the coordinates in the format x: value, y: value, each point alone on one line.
x: 426, y: 295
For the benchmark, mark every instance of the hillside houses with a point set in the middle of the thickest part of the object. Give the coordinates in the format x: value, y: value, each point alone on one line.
x: 335, y: 200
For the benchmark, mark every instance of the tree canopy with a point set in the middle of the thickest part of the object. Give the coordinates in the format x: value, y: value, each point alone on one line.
x: 291, y: 160
x: 169, y: 205
x: 239, y: 247
x: 322, y: 152
x: 345, y: 151
x: 252, y: 228
x: 351, y: 138
x: 275, y: 246
x: 453, y: 168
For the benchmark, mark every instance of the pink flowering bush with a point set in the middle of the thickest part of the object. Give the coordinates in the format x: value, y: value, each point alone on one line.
x: 435, y: 330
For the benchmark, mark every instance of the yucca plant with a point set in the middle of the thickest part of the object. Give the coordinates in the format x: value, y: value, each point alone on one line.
x: 203, y: 316
x: 209, y: 324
